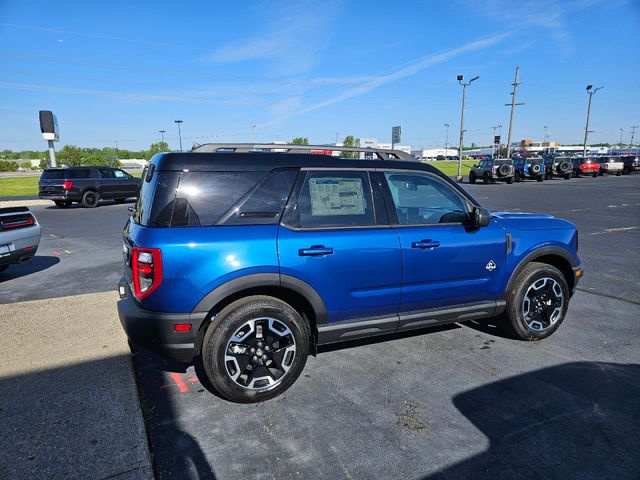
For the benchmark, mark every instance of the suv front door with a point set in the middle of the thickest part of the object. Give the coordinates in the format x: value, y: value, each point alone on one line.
x: 107, y: 187
x: 445, y: 261
x: 126, y: 185
x: 336, y: 238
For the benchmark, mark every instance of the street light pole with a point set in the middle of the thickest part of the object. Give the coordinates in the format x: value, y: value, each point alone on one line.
x: 621, y: 130
x: 513, y: 109
x: 493, y: 140
x: 545, y: 133
x: 179, y: 132
x: 464, y: 94
x: 162, y: 132
x: 446, y: 140
x: 633, y: 133
x: 586, y: 127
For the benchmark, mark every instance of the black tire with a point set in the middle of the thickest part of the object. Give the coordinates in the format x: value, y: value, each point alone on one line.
x: 510, y: 180
x: 119, y: 200
x: 485, y: 179
x: 519, y: 322
x: 230, y: 321
x: 3, y: 268
x: 90, y: 199
x: 540, y: 178
x: 618, y: 173
x: 601, y: 173
x: 567, y: 176
x: 595, y: 175
x: 62, y: 203
x: 516, y: 177
x: 625, y: 170
x: 472, y: 177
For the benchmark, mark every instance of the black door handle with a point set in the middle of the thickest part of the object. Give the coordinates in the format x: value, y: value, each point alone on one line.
x: 426, y: 244
x: 315, y: 251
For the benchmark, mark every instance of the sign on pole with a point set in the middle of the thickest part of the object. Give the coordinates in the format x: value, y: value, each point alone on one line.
x: 50, y: 132
x: 496, y: 140
x: 396, y: 135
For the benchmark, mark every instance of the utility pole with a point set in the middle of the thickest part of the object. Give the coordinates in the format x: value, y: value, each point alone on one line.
x: 546, y: 137
x: 116, y: 150
x: 464, y: 93
x: 179, y: 132
x: 253, y: 134
x: 493, y: 140
x: 513, y: 109
x: 337, y: 136
x: 162, y: 132
x: 590, y: 92
x: 446, y: 140
x: 633, y: 133
x: 621, y: 130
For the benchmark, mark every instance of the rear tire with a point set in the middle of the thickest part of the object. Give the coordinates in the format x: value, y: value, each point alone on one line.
x: 90, y: 199
x: 618, y: 173
x: 263, y: 324
x: 567, y: 176
x: 62, y: 203
x: 472, y: 177
x: 594, y: 175
x: 510, y: 180
x: 538, y: 302
x: 3, y: 268
x: 540, y: 178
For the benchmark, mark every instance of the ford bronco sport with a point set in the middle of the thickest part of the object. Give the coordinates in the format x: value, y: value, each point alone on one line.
x: 246, y: 260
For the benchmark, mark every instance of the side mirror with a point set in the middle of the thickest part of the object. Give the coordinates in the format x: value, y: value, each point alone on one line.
x: 480, y: 217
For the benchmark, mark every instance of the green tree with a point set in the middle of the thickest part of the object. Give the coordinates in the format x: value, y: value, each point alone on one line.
x: 45, y: 163
x: 70, y: 155
x: 156, y: 148
x: 8, y: 166
x: 350, y: 141
x: 300, y: 141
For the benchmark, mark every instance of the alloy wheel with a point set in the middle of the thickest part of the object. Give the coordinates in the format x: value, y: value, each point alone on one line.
x: 260, y: 354
x: 542, y: 304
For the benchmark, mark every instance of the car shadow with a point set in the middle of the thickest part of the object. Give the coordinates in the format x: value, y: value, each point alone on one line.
x: 493, y: 326
x: 575, y: 420
x: 37, y: 264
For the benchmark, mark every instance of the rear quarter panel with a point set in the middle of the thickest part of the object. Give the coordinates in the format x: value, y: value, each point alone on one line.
x: 195, y: 260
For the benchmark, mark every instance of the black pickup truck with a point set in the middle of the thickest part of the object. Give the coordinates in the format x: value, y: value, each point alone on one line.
x: 86, y: 185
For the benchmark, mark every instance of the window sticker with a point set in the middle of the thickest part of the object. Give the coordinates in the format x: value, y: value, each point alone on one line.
x: 336, y: 196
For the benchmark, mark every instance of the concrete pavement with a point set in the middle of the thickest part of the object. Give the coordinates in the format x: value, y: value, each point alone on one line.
x: 69, y: 405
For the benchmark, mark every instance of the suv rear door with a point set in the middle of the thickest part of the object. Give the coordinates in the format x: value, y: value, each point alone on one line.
x: 107, y: 184
x: 336, y: 238
x: 445, y: 262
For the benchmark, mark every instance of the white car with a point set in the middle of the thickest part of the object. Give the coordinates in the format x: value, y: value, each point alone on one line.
x: 19, y: 236
x: 611, y: 165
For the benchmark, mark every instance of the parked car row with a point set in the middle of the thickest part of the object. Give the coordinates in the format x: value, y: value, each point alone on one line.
x: 519, y: 169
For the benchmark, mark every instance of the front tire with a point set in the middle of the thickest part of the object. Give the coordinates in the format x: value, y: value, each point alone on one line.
x: 90, y: 199
x: 255, y: 349
x: 472, y: 177
x: 538, y: 302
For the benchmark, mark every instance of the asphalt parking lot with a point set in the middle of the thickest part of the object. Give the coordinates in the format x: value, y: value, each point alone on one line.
x: 455, y: 402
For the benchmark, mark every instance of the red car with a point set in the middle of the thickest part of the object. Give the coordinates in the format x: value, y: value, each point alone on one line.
x: 585, y: 166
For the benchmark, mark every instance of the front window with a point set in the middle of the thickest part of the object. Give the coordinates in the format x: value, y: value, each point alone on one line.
x: 422, y: 199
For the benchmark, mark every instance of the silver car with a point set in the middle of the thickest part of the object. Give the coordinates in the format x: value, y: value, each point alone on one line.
x: 19, y: 236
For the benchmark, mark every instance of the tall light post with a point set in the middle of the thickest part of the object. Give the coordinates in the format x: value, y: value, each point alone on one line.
x: 590, y: 91
x: 633, y: 132
x: 179, y: 132
x: 545, y: 133
x: 464, y: 93
x: 162, y: 132
x: 621, y: 130
x: 446, y: 140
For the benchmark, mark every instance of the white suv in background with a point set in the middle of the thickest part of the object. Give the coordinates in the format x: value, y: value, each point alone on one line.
x: 611, y: 165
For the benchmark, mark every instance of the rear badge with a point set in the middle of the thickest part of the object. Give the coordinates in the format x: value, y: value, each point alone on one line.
x: 491, y: 266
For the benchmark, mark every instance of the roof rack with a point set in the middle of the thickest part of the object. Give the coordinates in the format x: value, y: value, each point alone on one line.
x: 380, y: 153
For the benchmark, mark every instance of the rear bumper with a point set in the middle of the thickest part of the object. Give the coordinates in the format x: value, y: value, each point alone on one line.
x: 155, y: 330
x: 22, y: 243
x: 58, y: 196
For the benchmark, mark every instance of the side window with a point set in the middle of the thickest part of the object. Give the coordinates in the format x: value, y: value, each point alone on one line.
x: 79, y: 173
x: 421, y: 199
x: 335, y: 199
x: 120, y: 174
x: 105, y: 173
x: 263, y: 205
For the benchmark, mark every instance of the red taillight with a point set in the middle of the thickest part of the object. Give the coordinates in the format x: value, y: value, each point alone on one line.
x: 67, y: 185
x: 146, y: 269
x: 181, y: 327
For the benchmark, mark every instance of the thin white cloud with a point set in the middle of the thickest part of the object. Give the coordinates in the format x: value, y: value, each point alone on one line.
x: 197, y: 98
x: 405, y: 70
x: 291, y: 42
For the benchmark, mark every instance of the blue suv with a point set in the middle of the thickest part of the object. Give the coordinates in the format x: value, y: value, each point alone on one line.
x: 533, y: 168
x: 247, y: 262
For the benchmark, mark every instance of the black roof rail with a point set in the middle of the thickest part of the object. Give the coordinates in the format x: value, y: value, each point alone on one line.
x: 380, y: 153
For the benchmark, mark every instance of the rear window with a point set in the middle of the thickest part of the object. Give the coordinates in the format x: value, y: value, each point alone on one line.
x: 53, y: 175
x: 177, y: 199
x: 66, y: 173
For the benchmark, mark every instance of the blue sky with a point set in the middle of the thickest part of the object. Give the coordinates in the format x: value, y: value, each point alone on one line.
x: 121, y: 71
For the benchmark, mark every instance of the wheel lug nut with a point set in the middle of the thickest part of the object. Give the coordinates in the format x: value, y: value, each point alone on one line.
x: 255, y: 358
x: 259, y: 344
x: 267, y: 348
x: 264, y: 357
x: 252, y: 350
